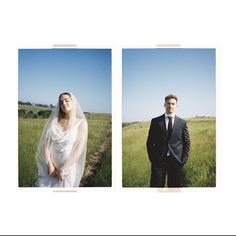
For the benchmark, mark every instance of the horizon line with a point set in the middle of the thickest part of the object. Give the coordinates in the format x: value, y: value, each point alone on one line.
x: 192, y: 117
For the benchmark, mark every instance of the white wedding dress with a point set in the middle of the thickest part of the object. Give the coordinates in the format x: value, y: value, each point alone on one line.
x: 66, y: 148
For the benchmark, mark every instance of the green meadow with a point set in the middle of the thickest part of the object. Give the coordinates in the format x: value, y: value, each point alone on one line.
x: 29, y: 133
x: 200, y: 169
x: 35, y: 109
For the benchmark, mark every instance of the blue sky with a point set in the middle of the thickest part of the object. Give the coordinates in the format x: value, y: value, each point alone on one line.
x: 148, y: 75
x: 45, y: 73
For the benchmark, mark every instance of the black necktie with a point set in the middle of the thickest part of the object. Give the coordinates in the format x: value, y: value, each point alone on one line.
x: 169, y: 131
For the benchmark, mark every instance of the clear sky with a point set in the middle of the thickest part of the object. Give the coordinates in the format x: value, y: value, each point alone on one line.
x: 151, y: 74
x: 45, y: 73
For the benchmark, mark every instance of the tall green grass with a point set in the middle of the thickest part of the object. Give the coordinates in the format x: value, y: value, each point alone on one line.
x: 103, y: 176
x: 30, y: 131
x: 200, y: 170
x: 97, y: 135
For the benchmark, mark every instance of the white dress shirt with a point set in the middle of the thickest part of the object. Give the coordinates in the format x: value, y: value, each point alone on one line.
x: 167, y: 120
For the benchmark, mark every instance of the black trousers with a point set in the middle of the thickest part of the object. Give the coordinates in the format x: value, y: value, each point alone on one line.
x: 168, y: 168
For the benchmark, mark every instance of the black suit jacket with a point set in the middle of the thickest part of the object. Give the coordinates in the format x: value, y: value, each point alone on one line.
x: 158, y: 143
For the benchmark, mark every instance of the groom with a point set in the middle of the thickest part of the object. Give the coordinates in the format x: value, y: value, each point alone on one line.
x: 168, y: 146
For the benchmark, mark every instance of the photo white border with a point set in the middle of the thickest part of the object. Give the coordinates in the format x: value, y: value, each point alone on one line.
x: 117, y: 25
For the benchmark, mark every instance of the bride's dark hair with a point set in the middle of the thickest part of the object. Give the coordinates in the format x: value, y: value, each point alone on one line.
x: 61, y: 112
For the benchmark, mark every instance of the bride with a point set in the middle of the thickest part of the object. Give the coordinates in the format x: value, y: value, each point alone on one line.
x: 61, y: 152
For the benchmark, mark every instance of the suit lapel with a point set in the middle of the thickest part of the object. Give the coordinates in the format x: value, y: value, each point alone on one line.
x: 175, y: 124
x: 162, y: 124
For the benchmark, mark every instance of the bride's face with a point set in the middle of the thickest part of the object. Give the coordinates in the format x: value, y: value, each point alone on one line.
x: 65, y: 103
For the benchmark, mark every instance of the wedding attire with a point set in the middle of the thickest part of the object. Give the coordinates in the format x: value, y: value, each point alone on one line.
x: 65, y: 148
x: 168, y: 146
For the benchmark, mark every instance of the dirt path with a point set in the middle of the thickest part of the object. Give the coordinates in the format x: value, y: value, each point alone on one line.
x: 95, y: 162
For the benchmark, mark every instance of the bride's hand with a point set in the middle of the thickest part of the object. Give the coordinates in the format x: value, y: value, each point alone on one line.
x: 60, y: 175
x: 51, y: 170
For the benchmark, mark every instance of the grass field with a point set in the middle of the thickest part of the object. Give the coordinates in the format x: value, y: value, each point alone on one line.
x: 34, y: 109
x: 29, y: 134
x: 200, y: 170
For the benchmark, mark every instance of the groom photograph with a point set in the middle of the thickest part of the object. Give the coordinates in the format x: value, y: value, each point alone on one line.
x: 168, y: 146
x: 169, y: 117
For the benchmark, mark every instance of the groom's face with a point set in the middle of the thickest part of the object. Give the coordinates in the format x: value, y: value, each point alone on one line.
x: 170, y: 105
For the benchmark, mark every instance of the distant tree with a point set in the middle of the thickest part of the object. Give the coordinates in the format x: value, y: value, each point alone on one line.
x: 35, y: 116
x: 41, y: 105
x: 40, y: 113
x: 30, y: 114
x: 44, y: 113
x: 25, y: 103
x: 35, y: 104
x: 28, y: 103
x: 22, y: 113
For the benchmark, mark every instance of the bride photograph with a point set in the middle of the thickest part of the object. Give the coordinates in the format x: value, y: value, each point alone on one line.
x: 61, y: 152
x: 59, y: 143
